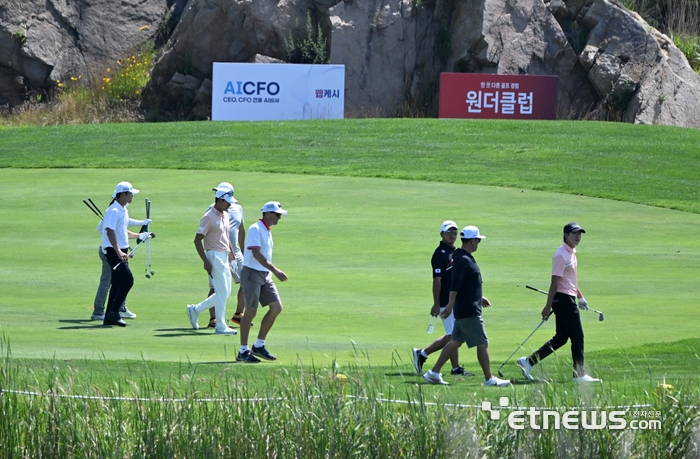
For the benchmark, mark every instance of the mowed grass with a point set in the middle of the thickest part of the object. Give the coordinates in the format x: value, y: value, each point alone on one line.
x: 357, y: 253
x: 357, y: 249
x: 656, y: 165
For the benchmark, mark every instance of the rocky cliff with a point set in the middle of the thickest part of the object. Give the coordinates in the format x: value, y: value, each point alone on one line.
x: 611, y: 64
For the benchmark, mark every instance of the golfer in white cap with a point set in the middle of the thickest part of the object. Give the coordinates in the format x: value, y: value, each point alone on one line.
x: 466, y: 299
x: 115, y: 244
x: 441, y: 263
x: 257, y: 284
x: 237, y: 237
x: 213, y: 245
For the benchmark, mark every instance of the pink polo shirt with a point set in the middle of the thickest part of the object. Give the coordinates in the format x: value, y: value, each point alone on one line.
x: 214, y: 227
x: 564, y: 265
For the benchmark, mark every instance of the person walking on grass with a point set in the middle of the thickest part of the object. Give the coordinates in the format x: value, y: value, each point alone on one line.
x: 466, y: 299
x: 237, y: 238
x: 257, y: 284
x: 442, y: 279
x: 98, y: 311
x: 213, y: 245
x: 561, y: 299
x: 115, y: 244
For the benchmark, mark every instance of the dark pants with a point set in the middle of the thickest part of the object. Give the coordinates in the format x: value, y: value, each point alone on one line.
x: 568, y: 322
x: 122, y: 281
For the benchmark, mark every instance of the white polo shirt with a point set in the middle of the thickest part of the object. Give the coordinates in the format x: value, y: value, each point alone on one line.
x: 259, y: 236
x: 116, y: 219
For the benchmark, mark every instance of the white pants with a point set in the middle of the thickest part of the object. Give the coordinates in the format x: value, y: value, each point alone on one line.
x: 221, y: 280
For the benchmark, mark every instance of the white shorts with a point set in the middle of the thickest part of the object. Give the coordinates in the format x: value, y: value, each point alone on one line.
x: 448, y: 323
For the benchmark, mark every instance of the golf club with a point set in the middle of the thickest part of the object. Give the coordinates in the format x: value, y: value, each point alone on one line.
x: 94, y: 210
x: 148, y: 270
x: 601, y: 317
x: 131, y: 254
x: 519, y: 347
x: 95, y: 206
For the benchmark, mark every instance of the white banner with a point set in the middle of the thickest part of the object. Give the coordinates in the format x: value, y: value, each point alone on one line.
x: 257, y: 92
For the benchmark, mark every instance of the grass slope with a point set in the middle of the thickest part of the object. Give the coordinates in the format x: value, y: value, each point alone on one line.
x: 655, y: 165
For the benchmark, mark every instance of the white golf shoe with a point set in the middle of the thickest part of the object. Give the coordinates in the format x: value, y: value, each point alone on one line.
x: 225, y: 331
x: 434, y: 378
x: 192, y: 314
x: 586, y: 379
x: 494, y: 381
x: 525, y: 366
x: 97, y: 316
x: 126, y: 314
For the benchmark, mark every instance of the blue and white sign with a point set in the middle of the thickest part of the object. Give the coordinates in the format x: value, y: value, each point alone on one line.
x: 258, y: 92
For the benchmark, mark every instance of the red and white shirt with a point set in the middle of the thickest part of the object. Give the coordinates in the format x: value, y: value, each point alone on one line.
x: 259, y: 236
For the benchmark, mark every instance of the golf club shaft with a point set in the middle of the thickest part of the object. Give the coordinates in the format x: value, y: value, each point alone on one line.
x: 129, y: 255
x: 93, y: 210
x: 545, y: 293
x: 520, y: 346
x: 96, y: 208
x: 536, y: 289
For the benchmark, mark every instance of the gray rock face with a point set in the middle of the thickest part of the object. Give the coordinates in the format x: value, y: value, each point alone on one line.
x: 42, y: 41
x: 610, y: 63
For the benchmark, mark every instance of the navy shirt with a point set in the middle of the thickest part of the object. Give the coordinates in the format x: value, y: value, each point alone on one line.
x: 466, y: 281
x: 442, y: 268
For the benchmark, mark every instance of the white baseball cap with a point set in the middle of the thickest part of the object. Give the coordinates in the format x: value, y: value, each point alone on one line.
x: 223, y: 185
x: 124, y: 187
x: 471, y: 232
x: 225, y: 194
x: 448, y: 225
x: 274, y: 206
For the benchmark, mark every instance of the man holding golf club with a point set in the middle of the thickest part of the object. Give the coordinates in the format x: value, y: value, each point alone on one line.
x: 466, y: 299
x: 98, y: 312
x: 213, y: 245
x: 561, y: 299
x: 115, y: 243
x: 441, y: 263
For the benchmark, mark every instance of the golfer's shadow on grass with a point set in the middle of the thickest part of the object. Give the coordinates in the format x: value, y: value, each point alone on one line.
x: 81, y: 324
x: 176, y: 332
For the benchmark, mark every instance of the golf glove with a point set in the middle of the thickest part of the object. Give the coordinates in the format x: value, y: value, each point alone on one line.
x: 147, y: 221
x: 582, y: 303
x: 143, y: 236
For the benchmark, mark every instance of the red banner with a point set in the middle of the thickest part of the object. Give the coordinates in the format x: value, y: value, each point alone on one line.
x: 481, y: 95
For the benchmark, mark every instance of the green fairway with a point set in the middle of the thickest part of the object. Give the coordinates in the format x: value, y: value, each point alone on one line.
x: 655, y: 165
x: 357, y: 254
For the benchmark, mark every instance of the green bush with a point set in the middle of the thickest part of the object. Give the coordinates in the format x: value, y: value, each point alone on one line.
x: 128, y: 78
x: 690, y: 46
x: 309, y: 50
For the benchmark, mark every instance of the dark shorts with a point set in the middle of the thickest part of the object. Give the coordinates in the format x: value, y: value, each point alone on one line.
x: 470, y: 330
x: 258, y: 288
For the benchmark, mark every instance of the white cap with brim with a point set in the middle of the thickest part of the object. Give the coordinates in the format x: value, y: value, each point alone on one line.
x: 274, y: 206
x: 223, y: 185
x: 471, y: 232
x: 124, y: 187
x: 226, y: 195
x: 448, y: 225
